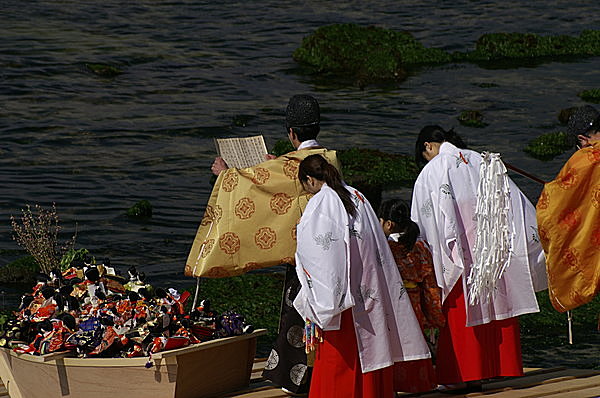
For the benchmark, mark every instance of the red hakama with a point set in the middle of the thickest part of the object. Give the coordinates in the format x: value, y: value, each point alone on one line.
x: 414, y: 376
x: 478, y: 352
x: 337, y: 372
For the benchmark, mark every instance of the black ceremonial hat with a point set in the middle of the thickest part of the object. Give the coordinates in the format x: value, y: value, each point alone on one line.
x: 581, y: 120
x: 302, y: 110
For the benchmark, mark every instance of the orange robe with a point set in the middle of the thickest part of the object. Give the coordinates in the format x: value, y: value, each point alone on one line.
x: 568, y: 215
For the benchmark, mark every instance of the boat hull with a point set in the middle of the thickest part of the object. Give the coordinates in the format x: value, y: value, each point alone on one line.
x: 201, y: 370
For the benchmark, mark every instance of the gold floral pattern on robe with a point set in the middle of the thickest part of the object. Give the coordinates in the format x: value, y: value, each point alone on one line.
x: 251, y: 216
x: 245, y: 208
x: 568, y: 214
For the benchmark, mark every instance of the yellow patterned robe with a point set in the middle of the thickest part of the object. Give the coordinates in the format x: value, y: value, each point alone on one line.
x: 251, y: 216
x: 568, y: 214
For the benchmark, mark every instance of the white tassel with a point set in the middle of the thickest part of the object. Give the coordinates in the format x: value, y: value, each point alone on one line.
x: 570, y: 320
x: 493, y: 240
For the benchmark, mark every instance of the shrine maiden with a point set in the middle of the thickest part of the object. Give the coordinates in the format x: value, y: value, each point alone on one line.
x: 352, y: 289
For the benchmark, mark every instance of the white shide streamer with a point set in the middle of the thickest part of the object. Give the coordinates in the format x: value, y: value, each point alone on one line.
x: 494, y: 237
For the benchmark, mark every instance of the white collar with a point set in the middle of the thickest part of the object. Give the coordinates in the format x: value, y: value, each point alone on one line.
x: 394, y: 237
x: 308, y: 144
x: 448, y: 147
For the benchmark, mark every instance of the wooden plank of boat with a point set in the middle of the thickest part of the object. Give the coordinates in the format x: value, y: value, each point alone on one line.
x: 48, y: 357
x: 202, y: 346
x: 203, y: 370
x: 3, y: 390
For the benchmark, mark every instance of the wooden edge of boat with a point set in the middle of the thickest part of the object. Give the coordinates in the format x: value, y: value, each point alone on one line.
x: 200, y: 370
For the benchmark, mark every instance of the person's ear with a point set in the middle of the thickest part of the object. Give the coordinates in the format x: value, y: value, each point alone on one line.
x: 583, y: 140
x: 390, y: 225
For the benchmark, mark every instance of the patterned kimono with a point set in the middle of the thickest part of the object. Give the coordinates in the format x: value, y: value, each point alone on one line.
x: 416, y: 269
x: 568, y: 214
x: 480, y: 340
x: 250, y: 223
x: 352, y: 289
x: 251, y: 216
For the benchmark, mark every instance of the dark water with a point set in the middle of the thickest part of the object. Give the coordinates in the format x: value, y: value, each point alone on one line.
x: 95, y: 145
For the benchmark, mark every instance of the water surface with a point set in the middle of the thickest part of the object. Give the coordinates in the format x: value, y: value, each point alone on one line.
x: 96, y: 145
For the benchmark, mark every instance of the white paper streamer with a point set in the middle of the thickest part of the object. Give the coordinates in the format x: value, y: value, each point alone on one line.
x: 494, y: 237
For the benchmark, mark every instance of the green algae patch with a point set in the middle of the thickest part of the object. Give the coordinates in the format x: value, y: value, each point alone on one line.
x: 592, y: 95
x: 242, y: 120
x: 472, y: 118
x: 103, y: 70
x: 373, y: 167
x: 496, y: 46
x: 255, y: 295
x: 369, y: 54
x: 22, y: 270
x: 368, y: 166
x: 142, y: 209
x: 282, y: 147
x: 545, y: 341
x: 365, y: 53
x: 548, y: 146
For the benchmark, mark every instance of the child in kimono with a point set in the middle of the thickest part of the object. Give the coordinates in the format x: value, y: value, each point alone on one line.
x: 414, y: 261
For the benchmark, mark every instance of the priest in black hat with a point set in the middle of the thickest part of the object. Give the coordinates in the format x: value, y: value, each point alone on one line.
x: 250, y: 223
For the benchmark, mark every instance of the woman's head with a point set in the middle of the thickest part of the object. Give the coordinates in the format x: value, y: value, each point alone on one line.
x: 430, y: 139
x: 314, y: 171
x: 394, y: 216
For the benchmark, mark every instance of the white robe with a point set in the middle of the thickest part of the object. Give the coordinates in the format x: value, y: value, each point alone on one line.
x: 443, y: 205
x: 345, y: 262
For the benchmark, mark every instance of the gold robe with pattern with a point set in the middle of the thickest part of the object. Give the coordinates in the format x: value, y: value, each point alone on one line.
x: 251, y: 216
x: 568, y: 215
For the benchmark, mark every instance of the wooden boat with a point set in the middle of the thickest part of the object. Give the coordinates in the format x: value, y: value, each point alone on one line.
x: 207, y: 369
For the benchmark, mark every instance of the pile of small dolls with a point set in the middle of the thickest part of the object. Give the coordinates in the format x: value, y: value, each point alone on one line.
x: 90, y: 310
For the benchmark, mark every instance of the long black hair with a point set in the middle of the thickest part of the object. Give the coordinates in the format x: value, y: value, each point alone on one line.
x: 317, y: 167
x: 435, y: 133
x: 398, y: 211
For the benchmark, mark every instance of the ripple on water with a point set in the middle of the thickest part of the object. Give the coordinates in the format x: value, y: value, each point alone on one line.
x: 96, y: 145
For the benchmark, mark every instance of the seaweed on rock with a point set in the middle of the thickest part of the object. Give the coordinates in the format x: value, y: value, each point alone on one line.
x: 592, y: 95
x: 369, y: 166
x: 471, y: 118
x: 497, y: 46
x: 548, y: 146
x: 367, y: 53
x: 142, y: 209
x: 22, y: 270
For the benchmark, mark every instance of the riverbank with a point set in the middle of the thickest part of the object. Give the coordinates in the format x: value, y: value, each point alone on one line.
x: 544, y: 335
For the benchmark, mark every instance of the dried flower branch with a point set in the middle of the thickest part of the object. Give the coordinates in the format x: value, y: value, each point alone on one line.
x: 38, y: 235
